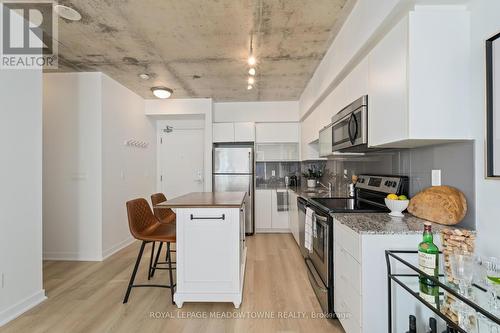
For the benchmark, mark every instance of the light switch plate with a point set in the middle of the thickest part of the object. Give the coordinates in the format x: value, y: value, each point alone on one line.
x: 436, y: 178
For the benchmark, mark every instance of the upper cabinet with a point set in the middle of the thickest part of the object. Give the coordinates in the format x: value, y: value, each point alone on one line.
x: 277, y: 132
x: 244, y: 132
x: 233, y: 132
x: 418, y: 77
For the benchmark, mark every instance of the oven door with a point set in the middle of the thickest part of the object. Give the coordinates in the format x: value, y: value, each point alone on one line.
x: 320, y: 254
x: 318, y: 262
x: 350, y: 130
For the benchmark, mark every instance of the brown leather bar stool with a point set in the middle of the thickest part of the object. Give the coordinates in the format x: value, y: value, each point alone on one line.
x: 165, y: 215
x: 146, y: 227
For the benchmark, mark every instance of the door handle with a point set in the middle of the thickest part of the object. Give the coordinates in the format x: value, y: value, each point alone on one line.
x: 352, y: 137
x: 321, y: 218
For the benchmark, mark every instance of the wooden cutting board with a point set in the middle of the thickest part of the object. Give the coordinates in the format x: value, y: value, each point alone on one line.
x: 441, y: 204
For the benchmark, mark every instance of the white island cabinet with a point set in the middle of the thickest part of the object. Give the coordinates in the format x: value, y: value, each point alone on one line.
x: 211, y: 249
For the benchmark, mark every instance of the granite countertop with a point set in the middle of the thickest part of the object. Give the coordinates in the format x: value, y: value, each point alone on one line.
x: 206, y: 200
x: 383, y: 223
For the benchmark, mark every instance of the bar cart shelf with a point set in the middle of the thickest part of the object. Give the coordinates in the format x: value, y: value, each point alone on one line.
x: 409, y: 281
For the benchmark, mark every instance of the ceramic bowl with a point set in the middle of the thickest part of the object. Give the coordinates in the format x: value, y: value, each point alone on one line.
x: 396, y: 206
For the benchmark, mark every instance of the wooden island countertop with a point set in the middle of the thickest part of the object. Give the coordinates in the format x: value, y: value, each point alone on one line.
x: 206, y: 200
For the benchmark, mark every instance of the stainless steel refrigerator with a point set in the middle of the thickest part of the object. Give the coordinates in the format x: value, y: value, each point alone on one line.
x: 233, y: 166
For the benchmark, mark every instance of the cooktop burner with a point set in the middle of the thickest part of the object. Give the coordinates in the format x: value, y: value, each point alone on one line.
x: 346, y: 205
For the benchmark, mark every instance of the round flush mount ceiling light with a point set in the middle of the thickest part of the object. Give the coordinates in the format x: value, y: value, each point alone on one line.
x: 162, y: 92
x: 251, y: 80
x: 144, y: 76
x: 67, y: 12
x: 251, y: 71
x: 249, y: 87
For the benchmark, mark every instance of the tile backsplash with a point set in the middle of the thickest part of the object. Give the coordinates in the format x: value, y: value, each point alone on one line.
x: 273, y: 173
x: 455, y: 160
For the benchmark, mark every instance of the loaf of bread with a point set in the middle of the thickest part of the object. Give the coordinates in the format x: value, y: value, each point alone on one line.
x: 441, y: 204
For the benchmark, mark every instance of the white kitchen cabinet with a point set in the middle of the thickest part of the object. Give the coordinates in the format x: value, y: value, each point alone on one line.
x: 418, y: 81
x: 233, y: 132
x: 267, y: 216
x: 263, y: 209
x: 293, y: 215
x: 360, y: 280
x: 211, y: 255
x: 280, y: 214
x: 277, y: 152
x: 244, y: 132
x: 277, y: 132
x: 223, y: 132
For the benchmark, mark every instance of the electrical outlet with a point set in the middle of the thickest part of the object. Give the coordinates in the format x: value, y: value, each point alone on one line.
x: 436, y: 178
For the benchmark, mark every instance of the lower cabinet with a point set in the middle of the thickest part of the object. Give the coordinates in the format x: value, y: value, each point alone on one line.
x: 360, y: 280
x: 272, y: 210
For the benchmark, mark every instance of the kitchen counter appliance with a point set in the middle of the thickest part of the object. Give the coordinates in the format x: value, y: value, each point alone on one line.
x: 370, y: 191
x: 348, y: 131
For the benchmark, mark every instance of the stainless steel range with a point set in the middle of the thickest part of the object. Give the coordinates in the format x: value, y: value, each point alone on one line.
x: 370, y: 191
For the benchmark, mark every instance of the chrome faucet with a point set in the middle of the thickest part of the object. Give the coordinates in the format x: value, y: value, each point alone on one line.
x: 329, y: 187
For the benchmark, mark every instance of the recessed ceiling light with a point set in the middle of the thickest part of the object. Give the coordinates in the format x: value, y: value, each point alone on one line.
x: 249, y: 87
x: 67, y: 12
x: 251, y: 71
x: 162, y: 92
x: 251, y: 60
x: 144, y: 76
x: 251, y: 80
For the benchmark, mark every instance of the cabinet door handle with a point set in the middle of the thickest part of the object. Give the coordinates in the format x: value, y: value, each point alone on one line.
x: 223, y: 217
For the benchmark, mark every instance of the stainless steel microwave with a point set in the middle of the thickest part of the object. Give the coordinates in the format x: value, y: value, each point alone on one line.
x: 348, y: 131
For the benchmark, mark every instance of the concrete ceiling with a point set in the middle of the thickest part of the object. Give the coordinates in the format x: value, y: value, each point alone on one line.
x: 199, y: 48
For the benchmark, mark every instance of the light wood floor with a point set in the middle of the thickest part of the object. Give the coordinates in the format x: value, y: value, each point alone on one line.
x: 87, y: 297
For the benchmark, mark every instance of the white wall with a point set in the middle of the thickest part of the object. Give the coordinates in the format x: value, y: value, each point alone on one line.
x: 485, y: 22
x: 89, y: 173
x: 21, y: 192
x: 127, y: 172
x: 256, y: 111
x: 158, y: 109
x: 72, y: 166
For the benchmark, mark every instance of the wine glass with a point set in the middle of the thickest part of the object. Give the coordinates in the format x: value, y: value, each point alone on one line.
x: 493, y: 280
x: 462, y: 270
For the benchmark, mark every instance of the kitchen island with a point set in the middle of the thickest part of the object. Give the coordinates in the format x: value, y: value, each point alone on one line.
x: 211, y: 251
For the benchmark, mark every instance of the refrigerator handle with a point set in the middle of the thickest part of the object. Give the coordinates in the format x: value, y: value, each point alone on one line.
x: 250, y: 166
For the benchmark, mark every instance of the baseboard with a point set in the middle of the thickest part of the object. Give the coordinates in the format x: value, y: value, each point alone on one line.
x: 117, y: 247
x: 78, y: 256
x: 272, y: 231
x: 71, y: 256
x: 18, y: 309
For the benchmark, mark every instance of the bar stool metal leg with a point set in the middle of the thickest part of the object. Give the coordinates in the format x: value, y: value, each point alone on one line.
x: 151, y: 260
x: 132, y: 278
x: 153, y: 268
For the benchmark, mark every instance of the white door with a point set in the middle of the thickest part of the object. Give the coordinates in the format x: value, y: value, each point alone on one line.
x: 181, y: 167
